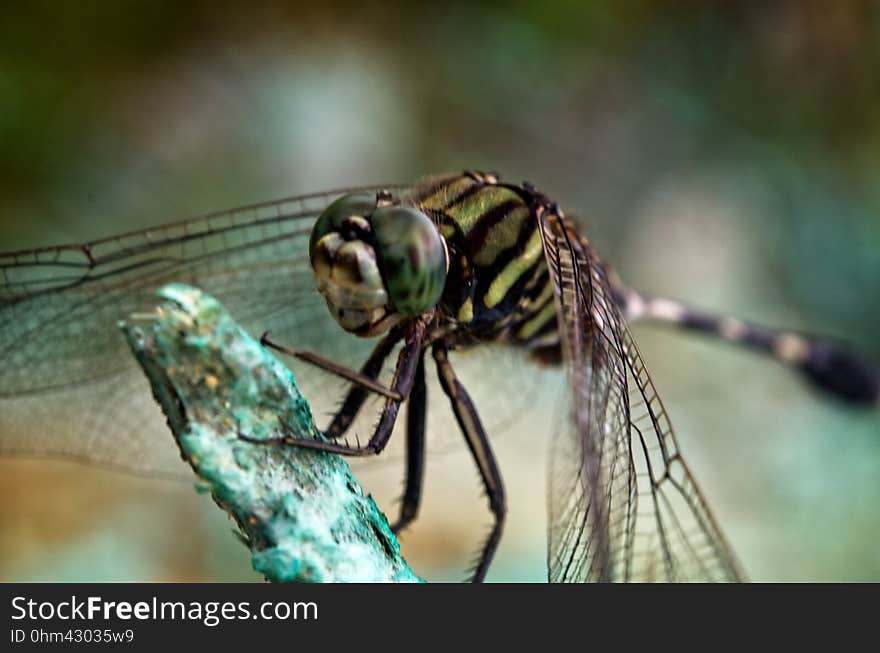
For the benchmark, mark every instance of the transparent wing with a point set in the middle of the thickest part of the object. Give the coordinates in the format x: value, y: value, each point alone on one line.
x: 69, y: 388
x: 623, y: 505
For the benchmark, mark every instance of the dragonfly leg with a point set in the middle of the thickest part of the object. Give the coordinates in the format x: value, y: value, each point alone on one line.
x: 332, y: 367
x: 404, y: 376
x: 826, y: 364
x: 358, y: 393
x: 416, y: 407
x: 415, y: 441
x: 478, y: 443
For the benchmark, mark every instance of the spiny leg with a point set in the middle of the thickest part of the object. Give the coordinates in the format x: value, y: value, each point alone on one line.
x: 404, y: 375
x: 358, y: 393
x: 416, y: 410
x: 332, y: 367
x: 826, y: 364
x: 478, y: 443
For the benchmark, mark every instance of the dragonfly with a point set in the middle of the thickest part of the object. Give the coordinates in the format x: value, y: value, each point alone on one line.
x: 394, y: 277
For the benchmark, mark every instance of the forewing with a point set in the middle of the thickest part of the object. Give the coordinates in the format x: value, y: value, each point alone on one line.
x: 623, y: 505
x: 68, y: 385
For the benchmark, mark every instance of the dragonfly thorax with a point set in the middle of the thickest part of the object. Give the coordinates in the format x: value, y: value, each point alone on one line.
x: 376, y: 263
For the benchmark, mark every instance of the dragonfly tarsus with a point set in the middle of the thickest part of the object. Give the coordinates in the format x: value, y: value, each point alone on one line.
x: 478, y: 443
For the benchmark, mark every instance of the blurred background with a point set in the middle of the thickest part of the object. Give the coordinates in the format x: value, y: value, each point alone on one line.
x: 727, y: 155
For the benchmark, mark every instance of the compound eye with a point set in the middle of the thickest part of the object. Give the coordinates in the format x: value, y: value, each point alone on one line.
x: 412, y: 258
x: 332, y: 218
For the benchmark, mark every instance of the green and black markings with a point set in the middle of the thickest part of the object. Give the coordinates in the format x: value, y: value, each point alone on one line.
x: 498, y: 287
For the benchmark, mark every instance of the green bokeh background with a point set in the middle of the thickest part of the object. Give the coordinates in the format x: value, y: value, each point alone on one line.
x: 725, y: 153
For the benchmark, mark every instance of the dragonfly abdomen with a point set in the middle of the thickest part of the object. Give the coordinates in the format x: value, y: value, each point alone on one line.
x: 827, y: 364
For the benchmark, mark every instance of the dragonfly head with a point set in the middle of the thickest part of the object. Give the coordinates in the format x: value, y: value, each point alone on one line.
x: 376, y: 262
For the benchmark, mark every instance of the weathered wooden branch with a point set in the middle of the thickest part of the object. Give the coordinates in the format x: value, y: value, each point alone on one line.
x: 302, y: 513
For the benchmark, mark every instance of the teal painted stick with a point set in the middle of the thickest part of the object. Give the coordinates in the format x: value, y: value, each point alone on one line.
x: 302, y: 513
